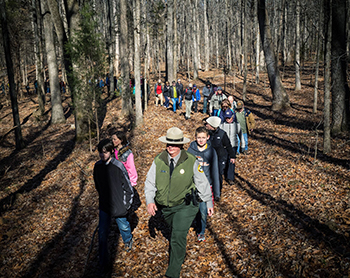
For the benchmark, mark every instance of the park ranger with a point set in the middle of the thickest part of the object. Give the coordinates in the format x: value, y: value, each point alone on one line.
x: 174, y: 185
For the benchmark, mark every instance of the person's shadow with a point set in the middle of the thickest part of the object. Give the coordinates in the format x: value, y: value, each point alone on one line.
x: 157, y: 222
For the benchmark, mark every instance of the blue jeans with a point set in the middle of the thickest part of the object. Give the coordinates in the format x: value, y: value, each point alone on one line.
x: 166, y: 102
x: 175, y: 102
x: 103, y: 231
x: 180, y: 101
x: 201, y: 218
x: 205, y: 104
x: 245, y: 137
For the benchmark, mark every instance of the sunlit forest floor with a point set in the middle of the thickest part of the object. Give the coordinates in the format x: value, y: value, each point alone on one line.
x: 287, y: 215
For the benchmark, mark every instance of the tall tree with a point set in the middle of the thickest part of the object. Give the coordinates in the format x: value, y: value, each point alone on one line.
x: 170, y: 40
x: 124, y: 62
x: 327, y: 78
x: 194, y: 40
x: 245, y: 49
x: 297, y: 48
x: 57, y: 115
x: 206, y: 36
x: 38, y: 48
x: 137, y: 63
x: 10, y: 74
x: 317, y: 57
x: 257, y: 43
x: 61, y: 37
x: 280, y: 97
x: 340, y: 88
x: 111, y: 43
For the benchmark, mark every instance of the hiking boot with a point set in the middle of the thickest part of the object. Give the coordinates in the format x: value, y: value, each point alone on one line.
x: 201, y: 238
x: 217, y: 199
x: 128, y: 245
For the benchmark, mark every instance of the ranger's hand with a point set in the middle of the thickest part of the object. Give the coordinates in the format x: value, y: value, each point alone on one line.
x: 151, y: 209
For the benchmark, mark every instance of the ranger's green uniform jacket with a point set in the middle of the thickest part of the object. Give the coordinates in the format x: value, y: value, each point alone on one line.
x: 171, y: 192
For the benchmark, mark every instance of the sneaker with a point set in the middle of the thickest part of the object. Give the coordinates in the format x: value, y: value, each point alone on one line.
x: 201, y: 237
x: 128, y: 245
x: 217, y: 199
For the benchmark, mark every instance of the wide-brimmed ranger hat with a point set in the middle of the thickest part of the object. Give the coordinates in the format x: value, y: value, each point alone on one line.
x: 174, y: 136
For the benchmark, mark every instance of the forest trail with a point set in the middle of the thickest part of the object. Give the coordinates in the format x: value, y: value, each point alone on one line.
x: 287, y: 215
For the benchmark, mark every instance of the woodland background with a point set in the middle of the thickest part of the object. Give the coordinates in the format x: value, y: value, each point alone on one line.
x: 288, y: 213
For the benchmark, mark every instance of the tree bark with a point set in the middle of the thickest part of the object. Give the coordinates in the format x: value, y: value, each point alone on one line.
x: 137, y: 63
x: 297, y: 48
x: 318, y: 50
x: 38, y: 56
x: 61, y: 37
x: 340, y: 88
x: 245, y: 51
x: 257, y: 49
x: 206, y: 37
x: 280, y: 98
x: 9, y: 65
x: 111, y: 40
x: 170, y: 41
x: 327, y: 79
x: 175, y: 55
x: 57, y: 115
x: 124, y: 61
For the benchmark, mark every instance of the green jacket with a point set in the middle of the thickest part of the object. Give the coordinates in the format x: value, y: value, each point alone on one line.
x: 172, y: 192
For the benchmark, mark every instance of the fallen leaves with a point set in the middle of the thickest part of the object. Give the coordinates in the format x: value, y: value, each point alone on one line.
x: 287, y: 215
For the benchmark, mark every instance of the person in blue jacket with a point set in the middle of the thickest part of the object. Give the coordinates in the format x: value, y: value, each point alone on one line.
x: 206, y: 155
x: 195, y: 98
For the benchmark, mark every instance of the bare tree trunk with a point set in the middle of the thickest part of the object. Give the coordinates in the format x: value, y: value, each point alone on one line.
x: 194, y: 40
x: 175, y: 41
x: 297, y: 48
x: 137, y: 63
x: 170, y: 41
x: 61, y: 37
x: 9, y: 65
x: 318, y: 48
x: 280, y: 97
x: 57, y: 115
x: 257, y: 50
x: 38, y: 56
x: 327, y: 79
x: 111, y: 40
x: 124, y: 62
x: 245, y: 52
x: 206, y: 37
x: 116, y: 44
x: 340, y: 88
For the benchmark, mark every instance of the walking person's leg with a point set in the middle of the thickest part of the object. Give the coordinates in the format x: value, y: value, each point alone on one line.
x: 103, y: 231
x: 180, y: 219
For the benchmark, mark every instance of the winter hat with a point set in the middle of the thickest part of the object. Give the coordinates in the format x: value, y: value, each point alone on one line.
x: 174, y: 136
x: 190, y: 85
x: 214, y: 121
x: 239, y: 104
x: 194, y: 86
x: 228, y: 113
x: 219, y: 88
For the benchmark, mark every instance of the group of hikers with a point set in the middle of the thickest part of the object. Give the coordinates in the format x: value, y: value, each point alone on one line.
x: 181, y: 185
